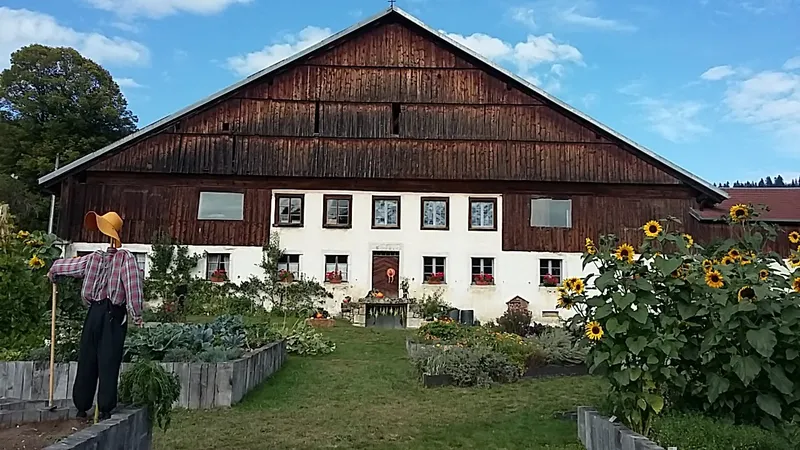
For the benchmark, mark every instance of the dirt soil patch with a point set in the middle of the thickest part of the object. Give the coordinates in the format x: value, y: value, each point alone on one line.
x: 35, y: 436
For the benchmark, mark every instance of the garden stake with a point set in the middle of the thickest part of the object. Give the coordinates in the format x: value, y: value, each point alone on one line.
x: 51, y: 406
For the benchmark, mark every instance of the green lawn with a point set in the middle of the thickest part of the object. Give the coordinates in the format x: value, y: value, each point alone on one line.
x: 365, y: 395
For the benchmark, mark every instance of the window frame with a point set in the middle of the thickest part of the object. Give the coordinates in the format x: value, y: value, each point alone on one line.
x: 200, y: 201
x: 550, y: 270
x: 346, y: 274
x: 483, y: 266
x: 422, y: 225
x: 226, y: 260
x: 376, y: 198
x: 493, y: 201
x: 143, y: 267
x: 277, y: 220
x: 296, y: 276
x: 433, y: 265
x: 550, y: 199
x: 325, y: 199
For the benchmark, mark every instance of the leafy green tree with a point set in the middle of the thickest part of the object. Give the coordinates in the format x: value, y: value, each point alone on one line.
x: 53, y: 101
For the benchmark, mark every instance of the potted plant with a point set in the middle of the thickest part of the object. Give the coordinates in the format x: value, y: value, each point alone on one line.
x: 550, y: 281
x: 219, y: 276
x: 285, y: 276
x: 334, y: 277
x: 483, y: 279
x: 436, y: 278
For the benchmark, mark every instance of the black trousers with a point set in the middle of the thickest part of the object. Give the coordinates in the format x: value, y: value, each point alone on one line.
x: 100, y: 356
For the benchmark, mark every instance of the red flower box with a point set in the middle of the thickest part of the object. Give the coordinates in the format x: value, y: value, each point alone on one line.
x: 334, y: 277
x: 436, y: 278
x: 483, y: 279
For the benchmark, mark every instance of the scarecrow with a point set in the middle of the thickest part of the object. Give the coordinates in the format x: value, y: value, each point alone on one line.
x: 112, y: 287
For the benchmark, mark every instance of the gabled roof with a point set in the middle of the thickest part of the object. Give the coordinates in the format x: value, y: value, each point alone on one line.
x: 783, y: 204
x: 692, y: 180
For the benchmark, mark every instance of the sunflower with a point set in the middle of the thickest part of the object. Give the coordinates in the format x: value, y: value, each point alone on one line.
x: 590, y: 248
x: 745, y: 260
x: 707, y: 265
x: 652, y: 229
x: 23, y: 234
x: 747, y: 293
x: 624, y: 253
x: 794, y: 261
x: 763, y: 274
x: 739, y: 213
x: 796, y: 284
x: 565, y: 302
x: 794, y: 237
x: 677, y: 273
x: 35, y: 262
x: 714, y: 279
x: 577, y: 285
x: 689, y: 240
x: 727, y: 260
x: 734, y: 253
x: 595, y: 332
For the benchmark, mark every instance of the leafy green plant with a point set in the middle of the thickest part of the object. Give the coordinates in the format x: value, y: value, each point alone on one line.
x: 446, y: 330
x: 555, y: 346
x: 431, y: 306
x: 466, y: 366
x: 148, y: 384
x: 517, y: 321
x: 695, y: 431
x: 304, y: 339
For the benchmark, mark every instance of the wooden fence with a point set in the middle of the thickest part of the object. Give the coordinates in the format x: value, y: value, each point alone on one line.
x: 598, y: 433
x: 203, y: 385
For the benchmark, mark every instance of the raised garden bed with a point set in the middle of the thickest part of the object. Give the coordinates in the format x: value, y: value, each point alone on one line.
x: 555, y: 370
x: 203, y: 385
x: 28, y: 425
x: 429, y: 380
x: 598, y: 433
x: 321, y: 323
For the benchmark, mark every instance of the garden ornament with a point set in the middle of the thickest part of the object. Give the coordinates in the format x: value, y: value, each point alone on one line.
x: 109, y: 224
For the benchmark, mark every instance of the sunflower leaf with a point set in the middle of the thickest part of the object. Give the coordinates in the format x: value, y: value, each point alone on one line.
x: 605, y: 280
x: 667, y: 266
x: 746, y: 368
x: 716, y: 386
x: 687, y: 310
x: 641, y: 403
x: 746, y: 306
x: 790, y: 314
x: 791, y: 354
x: 614, y: 326
x: 644, y: 284
x: 763, y: 341
x: 778, y: 379
x: 655, y: 401
x: 769, y: 404
x: 635, y: 373
x: 621, y: 377
x: 624, y: 300
x: 604, y: 311
x: 640, y: 314
x: 636, y: 345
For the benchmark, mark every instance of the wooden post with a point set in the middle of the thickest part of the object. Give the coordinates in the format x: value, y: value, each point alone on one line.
x: 52, y: 347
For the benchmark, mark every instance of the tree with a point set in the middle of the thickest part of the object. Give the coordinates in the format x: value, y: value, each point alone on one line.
x: 53, y: 101
x: 779, y: 181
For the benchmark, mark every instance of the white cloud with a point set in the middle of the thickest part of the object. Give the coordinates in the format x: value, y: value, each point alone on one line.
x: 674, y: 121
x: 127, y: 27
x: 252, y: 62
x: 524, y: 16
x: 574, y: 16
x: 717, y: 73
x: 792, y: 63
x: 20, y: 27
x: 488, y: 46
x: 127, y: 83
x: 161, y: 8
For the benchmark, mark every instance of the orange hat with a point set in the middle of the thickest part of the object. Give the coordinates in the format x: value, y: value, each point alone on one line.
x: 109, y: 224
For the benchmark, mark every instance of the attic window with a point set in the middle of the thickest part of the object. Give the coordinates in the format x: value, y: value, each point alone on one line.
x: 396, y: 119
x: 226, y: 126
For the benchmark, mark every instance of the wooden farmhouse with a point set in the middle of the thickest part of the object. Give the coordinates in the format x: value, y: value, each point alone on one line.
x: 386, y: 152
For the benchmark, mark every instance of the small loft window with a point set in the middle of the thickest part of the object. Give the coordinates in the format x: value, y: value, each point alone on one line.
x: 221, y: 206
x: 396, y: 119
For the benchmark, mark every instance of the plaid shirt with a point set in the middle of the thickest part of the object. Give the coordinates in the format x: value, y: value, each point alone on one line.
x: 111, y: 274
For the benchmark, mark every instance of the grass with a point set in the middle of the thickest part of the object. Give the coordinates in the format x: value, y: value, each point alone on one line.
x: 365, y: 395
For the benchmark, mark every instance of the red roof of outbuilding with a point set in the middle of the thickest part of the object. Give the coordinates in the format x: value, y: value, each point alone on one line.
x: 783, y: 203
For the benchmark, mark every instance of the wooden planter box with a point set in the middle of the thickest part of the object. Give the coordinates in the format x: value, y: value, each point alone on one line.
x: 553, y: 370
x: 597, y: 433
x: 436, y: 380
x: 203, y: 385
x: 320, y: 323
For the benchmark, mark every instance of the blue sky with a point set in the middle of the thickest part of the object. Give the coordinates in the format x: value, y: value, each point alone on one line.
x: 712, y: 85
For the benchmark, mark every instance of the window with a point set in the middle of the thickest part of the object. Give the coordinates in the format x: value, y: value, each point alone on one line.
x: 435, y: 213
x: 336, y: 263
x: 221, y: 206
x: 141, y: 261
x: 217, y: 261
x: 291, y: 264
x: 289, y: 210
x: 482, y: 214
x: 385, y: 212
x: 482, y: 271
x: 433, y: 269
x: 546, y: 212
x: 337, y: 211
x: 549, y: 272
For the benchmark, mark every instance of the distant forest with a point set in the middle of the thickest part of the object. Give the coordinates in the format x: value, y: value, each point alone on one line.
x: 764, y: 182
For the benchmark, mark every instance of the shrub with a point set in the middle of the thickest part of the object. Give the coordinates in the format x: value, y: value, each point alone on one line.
x: 711, y: 330
x: 517, y: 321
x: 446, y: 330
x: 555, y: 346
x: 431, y: 306
x: 148, y: 384
x: 304, y: 339
x: 466, y: 366
x: 694, y: 431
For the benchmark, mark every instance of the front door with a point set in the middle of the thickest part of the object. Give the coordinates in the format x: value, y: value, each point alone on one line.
x: 386, y: 273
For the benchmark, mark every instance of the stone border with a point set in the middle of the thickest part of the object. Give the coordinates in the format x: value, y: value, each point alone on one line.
x: 598, y: 433
x: 203, y: 385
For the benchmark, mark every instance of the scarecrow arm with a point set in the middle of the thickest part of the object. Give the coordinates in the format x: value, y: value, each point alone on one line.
x: 71, y: 267
x: 132, y: 280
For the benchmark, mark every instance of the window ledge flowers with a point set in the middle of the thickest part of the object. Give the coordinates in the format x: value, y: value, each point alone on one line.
x: 284, y: 276
x: 219, y: 276
x: 550, y: 281
x: 333, y: 277
x: 483, y: 280
x: 435, y: 278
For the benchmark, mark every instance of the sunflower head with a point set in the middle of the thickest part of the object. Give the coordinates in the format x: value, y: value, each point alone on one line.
x: 727, y: 260
x: 794, y: 237
x: 564, y: 301
x: 36, y: 262
x: 707, y: 265
x: 577, y: 285
x: 734, y: 253
x: 689, y: 240
x: 794, y: 261
x: 746, y: 293
x: 624, y: 253
x: 745, y: 260
x: 652, y: 229
x: 739, y: 213
x: 763, y: 274
x: 796, y: 284
x: 714, y: 279
x: 590, y: 248
x: 23, y: 234
x: 677, y: 273
x: 594, y: 331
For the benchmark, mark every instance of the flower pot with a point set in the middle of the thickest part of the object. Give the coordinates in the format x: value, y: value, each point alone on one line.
x: 334, y: 280
x: 432, y: 281
x: 483, y: 283
x: 217, y: 279
x: 287, y: 279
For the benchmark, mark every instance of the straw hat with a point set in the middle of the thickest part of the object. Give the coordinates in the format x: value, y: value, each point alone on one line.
x: 109, y: 224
